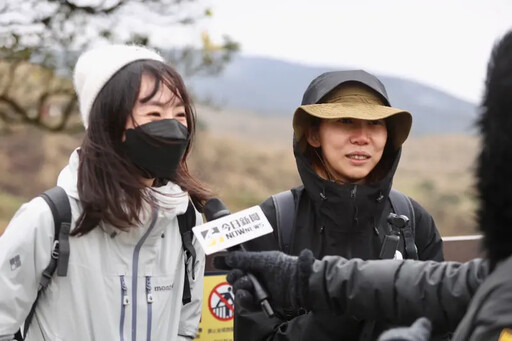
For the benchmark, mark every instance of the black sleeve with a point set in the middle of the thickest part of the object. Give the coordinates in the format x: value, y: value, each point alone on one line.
x: 396, y: 292
x: 427, y: 237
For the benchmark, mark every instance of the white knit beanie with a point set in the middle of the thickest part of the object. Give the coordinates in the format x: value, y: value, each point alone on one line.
x: 95, y: 67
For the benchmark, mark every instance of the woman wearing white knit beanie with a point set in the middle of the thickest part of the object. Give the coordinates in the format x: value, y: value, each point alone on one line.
x: 126, y: 265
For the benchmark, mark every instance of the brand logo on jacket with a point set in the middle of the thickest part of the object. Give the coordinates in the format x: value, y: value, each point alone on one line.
x: 164, y: 287
x: 15, y: 262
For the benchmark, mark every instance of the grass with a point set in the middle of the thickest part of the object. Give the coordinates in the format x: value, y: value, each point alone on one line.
x: 437, y: 171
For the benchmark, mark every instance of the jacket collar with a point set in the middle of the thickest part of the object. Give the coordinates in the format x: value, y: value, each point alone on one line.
x: 170, y: 197
x: 346, y: 206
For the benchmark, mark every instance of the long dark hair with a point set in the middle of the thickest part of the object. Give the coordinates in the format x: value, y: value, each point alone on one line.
x: 109, y: 185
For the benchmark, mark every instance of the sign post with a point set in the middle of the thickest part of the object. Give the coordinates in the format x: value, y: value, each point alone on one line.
x: 218, y: 309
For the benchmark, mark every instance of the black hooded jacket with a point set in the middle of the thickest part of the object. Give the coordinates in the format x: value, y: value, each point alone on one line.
x: 332, y: 219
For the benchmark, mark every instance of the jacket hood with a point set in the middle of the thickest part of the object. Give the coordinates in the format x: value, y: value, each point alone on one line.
x: 359, y: 202
x: 68, y: 177
x: 347, y: 203
x: 327, y: 81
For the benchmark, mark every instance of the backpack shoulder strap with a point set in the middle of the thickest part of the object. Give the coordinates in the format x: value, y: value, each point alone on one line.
x: 402, y: 205
x: 284, y: 204
x: 58, y: 201
x: 186, y: 221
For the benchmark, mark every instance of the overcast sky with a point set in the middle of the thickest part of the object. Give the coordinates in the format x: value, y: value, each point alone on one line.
x: 444, y: 43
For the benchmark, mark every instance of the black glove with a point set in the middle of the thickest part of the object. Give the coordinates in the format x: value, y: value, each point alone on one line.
x: 243, y: 289
x: 418, y: 331
x: 284, y: 277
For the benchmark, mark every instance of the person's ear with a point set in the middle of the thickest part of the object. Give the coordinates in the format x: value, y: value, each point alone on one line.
x: 313, y: 137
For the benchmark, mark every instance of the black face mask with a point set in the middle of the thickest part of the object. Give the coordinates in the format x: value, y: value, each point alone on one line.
x: 157, y: 147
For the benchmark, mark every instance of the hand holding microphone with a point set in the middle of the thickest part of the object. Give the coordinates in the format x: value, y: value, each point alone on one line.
x: 215, y: 209
x: 285, y: 277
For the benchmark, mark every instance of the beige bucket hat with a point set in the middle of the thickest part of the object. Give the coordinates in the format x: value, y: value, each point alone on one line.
x: 353, y: 99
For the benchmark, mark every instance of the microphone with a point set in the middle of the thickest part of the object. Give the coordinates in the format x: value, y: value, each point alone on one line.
x: 215, y: 209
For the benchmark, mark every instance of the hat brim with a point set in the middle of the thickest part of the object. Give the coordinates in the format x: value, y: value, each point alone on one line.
x: 398, y: 121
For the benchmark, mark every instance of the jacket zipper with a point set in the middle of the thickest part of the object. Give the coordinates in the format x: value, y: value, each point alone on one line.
x: 353, y: 193
x: 149, y: 300
x: 125, y: 300
x: 322, y: 226
x: 355, y: 218
x: 135, y: 272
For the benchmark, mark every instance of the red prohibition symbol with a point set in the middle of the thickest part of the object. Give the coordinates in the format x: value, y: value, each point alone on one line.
x: 221, y: 302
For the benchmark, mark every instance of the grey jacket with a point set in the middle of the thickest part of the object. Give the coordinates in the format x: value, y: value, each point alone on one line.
x: 397, y: 292
x: 120, y: 284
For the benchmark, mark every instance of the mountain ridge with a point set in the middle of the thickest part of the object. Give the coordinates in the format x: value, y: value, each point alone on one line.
x: 272, y: 87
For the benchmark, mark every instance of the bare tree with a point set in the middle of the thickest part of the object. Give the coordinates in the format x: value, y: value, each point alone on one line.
x: 39, y: 40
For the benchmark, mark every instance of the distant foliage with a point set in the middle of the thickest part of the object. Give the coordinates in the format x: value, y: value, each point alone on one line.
x: 48, y: 34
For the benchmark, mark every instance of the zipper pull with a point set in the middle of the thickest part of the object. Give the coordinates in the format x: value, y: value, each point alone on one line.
x: 124, y: 289
x: 126, y: 300
x: 149, y: 295
x: 380, y: 197
x: 353, y: 192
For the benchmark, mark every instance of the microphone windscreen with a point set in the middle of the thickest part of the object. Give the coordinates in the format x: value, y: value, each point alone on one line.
x: 214, y: 209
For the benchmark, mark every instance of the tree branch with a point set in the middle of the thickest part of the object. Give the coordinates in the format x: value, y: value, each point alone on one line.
x: 14, y: 106
x: 5, y: 117
x: 57, y: 25
x: 40, y: 106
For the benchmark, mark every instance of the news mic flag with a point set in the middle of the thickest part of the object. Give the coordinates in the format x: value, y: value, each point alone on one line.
x: 226, y: 231
x: 215, y: 210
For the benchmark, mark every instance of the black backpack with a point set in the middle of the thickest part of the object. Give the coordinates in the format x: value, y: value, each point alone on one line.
x: 401, y: 205
x: 401, y: 222
x: 58, y: 201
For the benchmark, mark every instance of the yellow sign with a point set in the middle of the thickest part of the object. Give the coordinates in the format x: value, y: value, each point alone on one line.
x: 506, y: 335
x: 218, y: 310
